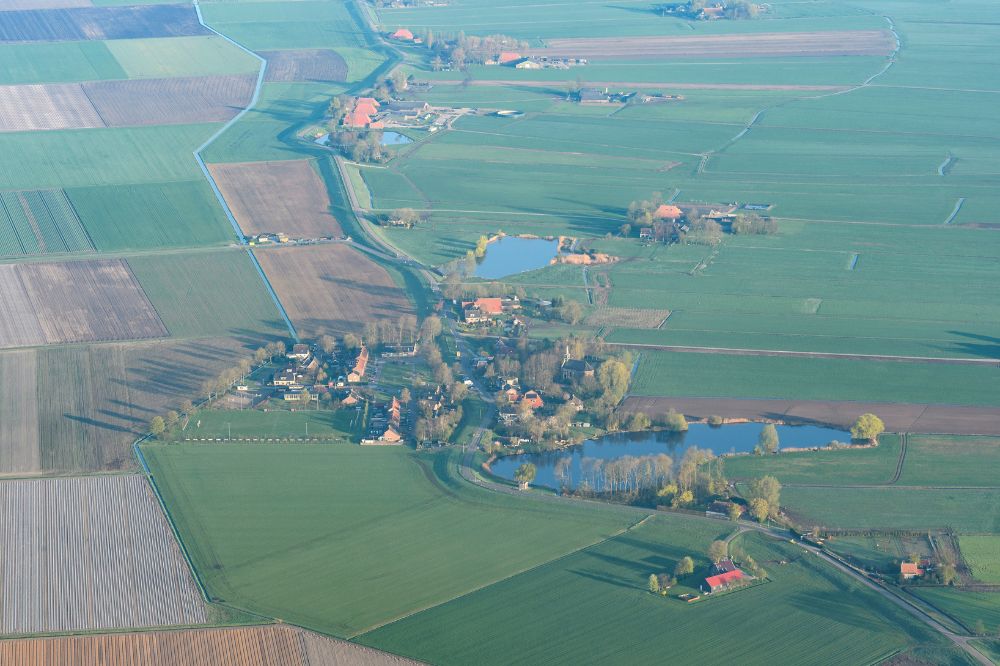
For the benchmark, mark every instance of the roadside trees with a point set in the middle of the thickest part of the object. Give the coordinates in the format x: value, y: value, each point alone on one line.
x: 157, y: 426
x: 760, y: 509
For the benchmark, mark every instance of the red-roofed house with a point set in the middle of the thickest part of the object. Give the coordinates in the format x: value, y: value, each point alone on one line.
x: 481, y: 309
x: 366, y: 108
x: 533, y: 399
x: 724, y: 580
x: 508, y: 57
x: 403, y: 34
x: 910, y: 570
x: 369, y: 100
x: 357, y: 118
x: 360, y: 366
x: 668, y: 212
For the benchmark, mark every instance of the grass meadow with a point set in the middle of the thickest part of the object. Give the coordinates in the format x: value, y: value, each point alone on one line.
x: 200, y: 294
x: 980, y: 553
x: 274, y: 423
x: 180, y: 56
x: 975, y: 610
x: 731, y: 376
x: 565, y: 611
x: 951, y: 461
x: 347, y: 538
x: 836, y: 467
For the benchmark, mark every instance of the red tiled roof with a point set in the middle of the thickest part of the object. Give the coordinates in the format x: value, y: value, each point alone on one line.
x: 489, y: 305
x: 365, y: 107
x: 402, y: 33
x: 357, y: 118
x: 911, y: 569
x: 666, y: 211
x: 724, y: 578
x: 509, y: 56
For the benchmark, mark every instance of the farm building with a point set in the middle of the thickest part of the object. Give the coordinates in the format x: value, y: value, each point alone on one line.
x: 724, y: 580
x: 668, y: 212
x: 403, y: 35
x: 288, y: 377
x: 357, y: 373
x: 481, y: 309
x: 909, y: 570
x: 366, y: 108
x: 509, y: 57
x: 299, y: 352
x: 528, y: 64
x: 594, y: 95
x: 724, y: 566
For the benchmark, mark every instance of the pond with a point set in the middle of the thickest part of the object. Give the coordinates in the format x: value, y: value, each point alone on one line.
x: 733, y: 438
x: 511, y: 255
x: 395, y: 139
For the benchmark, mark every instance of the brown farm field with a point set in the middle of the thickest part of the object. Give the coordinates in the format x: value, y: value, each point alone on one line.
x: 126, y: 103
x: 898, y: 417
x: 332, y: 288
x: 244, y: 646
x: 80, y: 301
x: 15, y: 5
x: 167, y: 101
x: 287, y: 196
x: 80, y: 408
x: 90, y: 553
x: 304, y: 65
x: 768, y: 44
x: 50, y: 23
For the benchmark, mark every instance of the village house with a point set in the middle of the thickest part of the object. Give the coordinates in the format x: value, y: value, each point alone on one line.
x: 725, y: 580
x: 910, y: 570
x: 350, y: 399
x: 528, y: 64
x: 508, y: 57
x: 400, y: 351
x: 645, y: 233
x: 289, y: 377
x: 407, y: 110
x: 481, y: 309
x: 533, y: 399
x: 300, y: 352
x: 668, y: 212
x: 402, y: 35
x: 512, y: 394
x: 357, y: 373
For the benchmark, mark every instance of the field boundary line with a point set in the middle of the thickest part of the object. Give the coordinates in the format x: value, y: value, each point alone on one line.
x: 215, y: 187
x: 417, y: 611
x: 955, y: 211
x: 738, y: 351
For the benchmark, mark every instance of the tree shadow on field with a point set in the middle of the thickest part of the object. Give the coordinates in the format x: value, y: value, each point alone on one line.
x: 634, y: 10
x: 985, y: 346
x: 832, y: 606
x: 603, y: 577
x: 104, y: 425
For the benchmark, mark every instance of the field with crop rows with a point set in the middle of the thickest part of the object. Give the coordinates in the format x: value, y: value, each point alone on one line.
x: 75, y: 302
x: 49, y: 25
x: 55, y: 62
x: 177, y: 100
x: 18, y: 412
x: 46, y: 107
x: 270, y: 26
x: 304, y: 65
x: 332, y: 288
x: 329, y: 517
x: 287, y: 196
x: 179, y: 56
x: 90, y: 553
x: 951, y: 461
x: 40, y: 222
x: 564, y: 612
x: 245, y: 646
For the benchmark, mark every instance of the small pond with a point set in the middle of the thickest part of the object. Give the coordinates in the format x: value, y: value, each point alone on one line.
x: 733, y: 438
x: 395, y: 139
x: 511, y: 255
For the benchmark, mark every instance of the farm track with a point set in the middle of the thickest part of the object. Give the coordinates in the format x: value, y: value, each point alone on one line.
x: 810, y: 354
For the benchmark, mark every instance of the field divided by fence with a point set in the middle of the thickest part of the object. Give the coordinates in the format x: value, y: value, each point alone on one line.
x: 89, y: 553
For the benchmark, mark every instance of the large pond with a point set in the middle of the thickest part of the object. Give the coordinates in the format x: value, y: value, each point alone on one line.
x: 395, y: 139
x: 511, y: 255
x: 577, y: 461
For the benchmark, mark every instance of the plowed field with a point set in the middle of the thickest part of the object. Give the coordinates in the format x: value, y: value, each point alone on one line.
x: 304, y: 65
x: 79, y: 23
x: 175, y: 100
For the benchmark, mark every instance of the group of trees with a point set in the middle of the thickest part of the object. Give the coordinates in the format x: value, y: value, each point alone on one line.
x: 660, y: 583
x: 868, y: 427
x: 438, y: 425
x: 752, y: 223
x: 363, y: 145
x: 460, y: 50
x: 764, y: 498
x: 402, y: 330
x: 402, y: 217
x: 640, y: 212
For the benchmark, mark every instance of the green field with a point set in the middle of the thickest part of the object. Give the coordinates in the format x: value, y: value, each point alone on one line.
x: 847, y: 467
x: 282, y: 25
x: 951, y: 461
x: 202, y: 294
x: 152, y: 215
x: 274, y: 423
x: 566, y: 611
x: 982, y: 554
x: 181, y: 56
x: 722, y: 375
x: 40, y: 222
x: 78, y: 158
x: 58, y: 62
x: 964, y: 510
x: 882, y: 553
x: 967, y: 607
x: 347, y: 538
